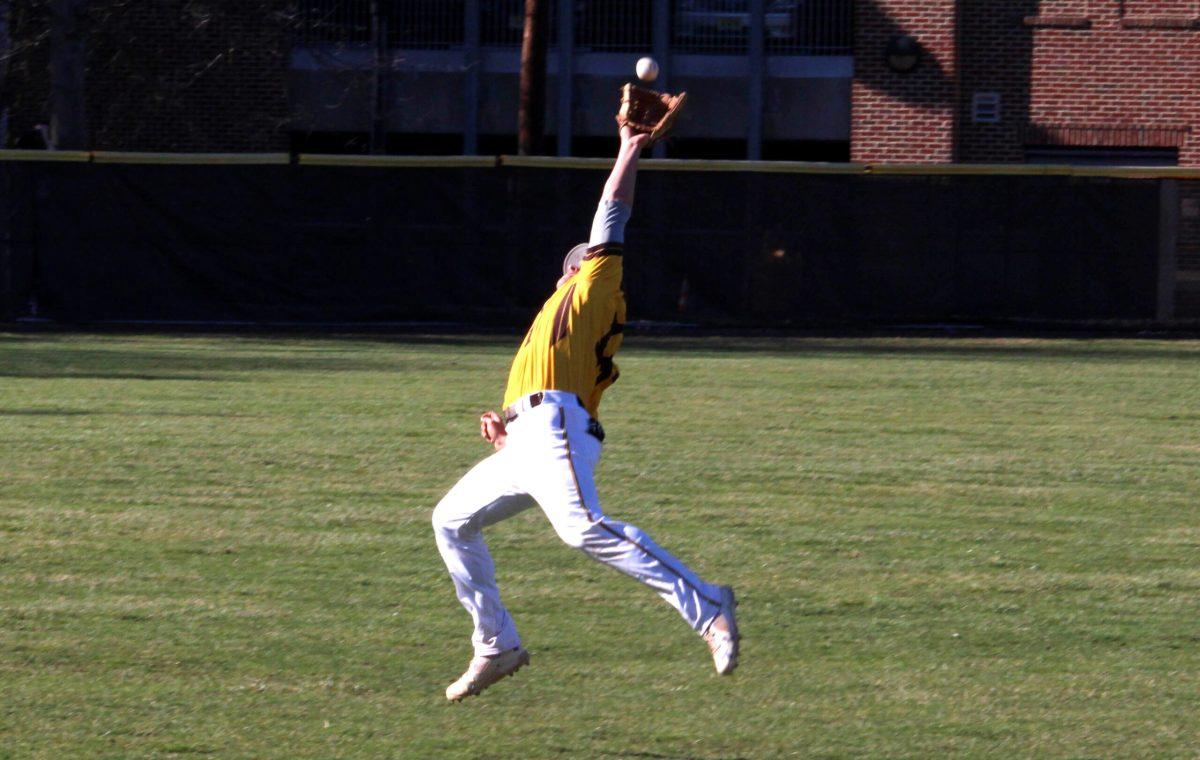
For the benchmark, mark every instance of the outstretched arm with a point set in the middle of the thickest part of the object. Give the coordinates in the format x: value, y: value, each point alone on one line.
x: 624, y: 173
x: 616, y: 202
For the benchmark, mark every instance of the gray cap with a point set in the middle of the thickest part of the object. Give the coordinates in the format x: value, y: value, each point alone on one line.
x: 575, y: 257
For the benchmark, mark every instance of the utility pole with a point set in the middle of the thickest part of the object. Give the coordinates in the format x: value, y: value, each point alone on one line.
x: 754, y: 93
x: 531, y: 111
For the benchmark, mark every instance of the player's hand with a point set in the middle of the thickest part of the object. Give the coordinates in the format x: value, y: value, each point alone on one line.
x: 491, y: 427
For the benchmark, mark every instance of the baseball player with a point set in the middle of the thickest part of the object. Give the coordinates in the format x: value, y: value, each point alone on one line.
x: 547, y: 444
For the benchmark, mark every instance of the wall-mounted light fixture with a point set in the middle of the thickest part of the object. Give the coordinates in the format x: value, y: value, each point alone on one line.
x: 903, y: 54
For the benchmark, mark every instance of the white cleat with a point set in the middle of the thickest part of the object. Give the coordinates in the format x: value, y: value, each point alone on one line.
x: 722, y: 634
x: 485, y: 671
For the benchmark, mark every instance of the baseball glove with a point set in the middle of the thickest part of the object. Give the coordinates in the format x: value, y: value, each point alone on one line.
x: 649, y: 111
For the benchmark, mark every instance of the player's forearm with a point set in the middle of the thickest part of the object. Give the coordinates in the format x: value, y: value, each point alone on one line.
x: 624, y: 174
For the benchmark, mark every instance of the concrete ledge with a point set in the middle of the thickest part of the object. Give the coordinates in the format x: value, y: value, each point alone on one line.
x: 1160, y: 22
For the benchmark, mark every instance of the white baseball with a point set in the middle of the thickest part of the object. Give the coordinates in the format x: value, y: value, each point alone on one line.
x: 647, y: 69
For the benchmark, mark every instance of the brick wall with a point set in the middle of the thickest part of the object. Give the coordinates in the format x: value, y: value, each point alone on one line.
x: 903, y: 117
x: 178, y: 75
x: 997, y: 56
x: 1097, y: 73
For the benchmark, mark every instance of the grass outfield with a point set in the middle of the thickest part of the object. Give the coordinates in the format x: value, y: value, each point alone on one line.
x: 221, y: 545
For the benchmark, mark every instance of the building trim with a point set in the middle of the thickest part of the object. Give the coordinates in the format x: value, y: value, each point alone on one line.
x: 1057, y: 22
x: 1112, y: 136
x: 1160, y: 22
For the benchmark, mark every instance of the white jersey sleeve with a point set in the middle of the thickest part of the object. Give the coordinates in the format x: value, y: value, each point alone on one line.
x: 609, y: 224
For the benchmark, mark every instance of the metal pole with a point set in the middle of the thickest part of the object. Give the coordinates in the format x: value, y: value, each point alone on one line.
x: 1168, y: 241
x: 7, y: 304
x: 473, y: 61
x: 661, y: 21
x: 68, y: 115
x: 566, y: 75
x: 5, y: 43
x: 754, y: 94
x: 378, y: 120
x: 7, y: 309
x: 35, y: 191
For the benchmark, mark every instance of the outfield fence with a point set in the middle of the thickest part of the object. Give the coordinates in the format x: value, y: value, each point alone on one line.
x: 333, y: 239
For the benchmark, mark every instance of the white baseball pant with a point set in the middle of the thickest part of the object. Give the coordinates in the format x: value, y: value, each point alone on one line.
x: 549, y: 459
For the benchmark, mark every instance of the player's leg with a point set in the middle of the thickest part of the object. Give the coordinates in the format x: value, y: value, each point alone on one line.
x: 707, y: 608
x: 484, y: 496
x: 563, y: 485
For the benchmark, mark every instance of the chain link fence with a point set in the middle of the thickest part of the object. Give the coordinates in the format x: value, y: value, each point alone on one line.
x: 423, y: 24
x: 614, y: 25
x: 334, y: 22
x: 413, y: 24
x: 791, y: 27
x: 503, y: 23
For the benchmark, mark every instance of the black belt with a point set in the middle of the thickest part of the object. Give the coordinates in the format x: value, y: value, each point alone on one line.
x: 532, y: 400
x: 594, y: 428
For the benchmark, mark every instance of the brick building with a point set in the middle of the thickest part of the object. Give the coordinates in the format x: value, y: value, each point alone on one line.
x: 1109, y: 81
x: 1064, y: 81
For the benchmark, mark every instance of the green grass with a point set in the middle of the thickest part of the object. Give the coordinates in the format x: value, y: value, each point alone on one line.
x: 220, y: 545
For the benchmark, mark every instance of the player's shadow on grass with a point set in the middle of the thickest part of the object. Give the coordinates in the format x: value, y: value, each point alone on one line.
x: 656, y: 755
x: 54, y: 361
x: 39, y: 412
x: 46, y: 374
x: 44, y: 413
x: 1117, y: 347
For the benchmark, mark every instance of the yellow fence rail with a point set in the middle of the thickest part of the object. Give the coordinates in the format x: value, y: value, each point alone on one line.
x: 601, y: 164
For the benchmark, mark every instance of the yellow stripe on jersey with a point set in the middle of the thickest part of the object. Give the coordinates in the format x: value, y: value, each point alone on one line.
x: 571, y: 344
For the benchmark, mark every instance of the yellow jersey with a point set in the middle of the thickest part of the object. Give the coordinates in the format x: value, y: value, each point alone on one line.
x: 571, y: 344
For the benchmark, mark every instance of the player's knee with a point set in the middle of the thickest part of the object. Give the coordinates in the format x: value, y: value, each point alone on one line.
x: 638, y: 536
x: 572, y: 535
x: 612, y: 537
x: 445, y: 522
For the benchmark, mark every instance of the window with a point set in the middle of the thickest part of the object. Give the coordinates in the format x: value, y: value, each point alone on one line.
x: 985, y: 108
